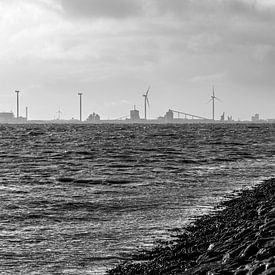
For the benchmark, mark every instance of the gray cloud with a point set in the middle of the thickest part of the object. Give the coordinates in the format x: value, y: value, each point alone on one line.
x: 217, y: 25
x: 174, y: 29
x: 236, y: 8
x: 101, y: 8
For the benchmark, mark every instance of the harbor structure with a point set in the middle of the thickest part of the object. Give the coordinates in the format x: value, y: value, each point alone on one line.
x: 190, y: 116
x: 169, y: 117
x: 9, y: 117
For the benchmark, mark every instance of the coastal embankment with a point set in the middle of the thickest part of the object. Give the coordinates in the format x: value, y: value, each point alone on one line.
x: 238, y: 238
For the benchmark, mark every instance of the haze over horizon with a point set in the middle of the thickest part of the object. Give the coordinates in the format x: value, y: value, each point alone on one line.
x: 111, y: 51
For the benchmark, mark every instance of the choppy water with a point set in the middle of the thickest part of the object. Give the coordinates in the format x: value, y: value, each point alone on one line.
x: 74, y: 199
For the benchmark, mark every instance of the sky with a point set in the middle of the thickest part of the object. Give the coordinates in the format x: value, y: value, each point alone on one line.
x: 113, y: 50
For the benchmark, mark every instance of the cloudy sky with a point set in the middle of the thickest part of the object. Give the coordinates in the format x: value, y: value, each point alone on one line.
x: 112, y: 50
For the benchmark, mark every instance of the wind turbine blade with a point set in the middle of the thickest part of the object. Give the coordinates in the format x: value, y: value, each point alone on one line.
x: 147, y: 100
x: 209, y: 101
x: 148, y: 91
x: 218, y: 99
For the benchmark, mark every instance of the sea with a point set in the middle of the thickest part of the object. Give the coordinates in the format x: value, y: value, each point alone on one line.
x: 78, y: 199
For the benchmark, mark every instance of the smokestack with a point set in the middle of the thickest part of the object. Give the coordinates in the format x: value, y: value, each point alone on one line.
x: 80, y: 106
x: 17, y: 103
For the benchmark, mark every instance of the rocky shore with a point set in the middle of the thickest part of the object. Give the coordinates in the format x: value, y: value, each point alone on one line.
x: 237, y: 239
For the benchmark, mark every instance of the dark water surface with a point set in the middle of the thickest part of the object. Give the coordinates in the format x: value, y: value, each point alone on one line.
x: 77, y: 198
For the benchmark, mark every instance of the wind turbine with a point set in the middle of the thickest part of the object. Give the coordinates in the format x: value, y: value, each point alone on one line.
x: 146, y: 102
x: 213, y: 98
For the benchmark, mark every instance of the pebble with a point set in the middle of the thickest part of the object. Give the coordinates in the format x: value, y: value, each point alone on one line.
x: 269, y: 265
x: 211, y: 246
x: 270, y: 271
x: 257, y: 270
x: 249, y: 251
x: 226, y: 259
x: 241, y: 272
x: 262, y: 254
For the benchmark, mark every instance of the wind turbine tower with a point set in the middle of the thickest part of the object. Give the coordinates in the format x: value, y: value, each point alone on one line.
x: 213, y: 98
x: 17, y: 104
x: 27, y: 113
x: 80, y: 106
x: 146, y: 102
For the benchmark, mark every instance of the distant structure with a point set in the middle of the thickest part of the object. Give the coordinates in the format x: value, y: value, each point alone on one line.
x: 17, y: 104
x: 80, y: 106
x: 255, y: 118
x: 134, y: 114
x: 6, y: 117
x: 230, y: 118
x: 27, y: 113
x: 146, y: 102
x: 59, y: 113
x: 187, y: 116
x: 213, y: 98
x: 169, y: 116
x: 222, y: 117
x: 93, y: 118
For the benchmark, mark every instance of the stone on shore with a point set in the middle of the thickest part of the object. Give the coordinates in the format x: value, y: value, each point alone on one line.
x: 240, y: 239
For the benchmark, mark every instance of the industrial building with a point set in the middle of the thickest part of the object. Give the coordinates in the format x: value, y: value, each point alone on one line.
x: 93, y: 118
x: 6, y: 117
x: 169, y: 116
x: 134, y: 115
x: 255, y: 118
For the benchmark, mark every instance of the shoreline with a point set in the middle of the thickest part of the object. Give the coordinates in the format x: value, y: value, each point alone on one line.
x: 238, y: 238
x: 129, y: 122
